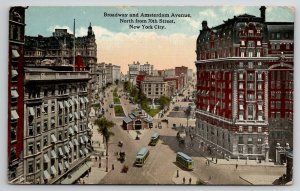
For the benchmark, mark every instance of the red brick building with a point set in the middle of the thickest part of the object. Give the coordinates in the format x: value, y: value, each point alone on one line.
x: 182, y: 70
x: 137, y: 121
x: 16, y: 93
x: 235, y: 78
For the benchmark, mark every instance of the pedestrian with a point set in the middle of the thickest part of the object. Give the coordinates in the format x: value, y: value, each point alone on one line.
x: 99, y: 164
x: 236, y: 166
x: 177, y: 173
x: 96, y: 158
x: 183, y: 180
x: 83, y: 182
x: 112, y: 166
x: 207, y: 162
x: 209, y: 178
x: 190, y: 180
x: 216, y: 160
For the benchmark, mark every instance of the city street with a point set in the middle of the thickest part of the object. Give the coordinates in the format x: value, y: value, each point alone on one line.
x: 160, y: 167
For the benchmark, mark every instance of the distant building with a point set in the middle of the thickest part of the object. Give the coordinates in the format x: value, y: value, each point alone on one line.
x: 136, y: 67
x: 16, y: 95
x: 182, y: 70
x: 137, y: 121
x: 154, y: 87
x: 112, y: 73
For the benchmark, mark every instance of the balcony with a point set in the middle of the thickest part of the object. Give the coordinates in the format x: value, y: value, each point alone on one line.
x: 53, y: 75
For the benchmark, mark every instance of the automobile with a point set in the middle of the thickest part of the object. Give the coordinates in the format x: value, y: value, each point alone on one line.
x: 122, y: 156
x: 120, y: 144
x: 181, y: 136
x: 111, y: 105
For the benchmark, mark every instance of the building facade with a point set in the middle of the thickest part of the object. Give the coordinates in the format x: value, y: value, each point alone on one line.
x: 147, y: 68
x: 154, y: 87
x: 233, y: 85
x: 56, y: 134
x: 16, y: 94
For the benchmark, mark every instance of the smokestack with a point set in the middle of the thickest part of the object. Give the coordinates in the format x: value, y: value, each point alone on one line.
x: 263, y: 13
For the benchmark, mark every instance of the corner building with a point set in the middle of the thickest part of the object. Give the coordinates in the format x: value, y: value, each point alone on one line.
x: 234, y: 64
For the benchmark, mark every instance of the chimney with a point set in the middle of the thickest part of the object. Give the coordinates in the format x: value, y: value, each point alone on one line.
x: 263, y: 13
x: 204, y: 25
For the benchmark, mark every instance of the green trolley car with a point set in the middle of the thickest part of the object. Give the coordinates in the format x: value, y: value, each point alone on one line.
x: 184, y: 161
x: 141, y: 156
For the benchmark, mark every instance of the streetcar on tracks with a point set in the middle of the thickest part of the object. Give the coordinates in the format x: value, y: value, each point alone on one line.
x: 141, y: 156
x: 154, y: 139
x: 184, y: 160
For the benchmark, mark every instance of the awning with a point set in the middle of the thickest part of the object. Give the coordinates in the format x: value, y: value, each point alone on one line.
x: 60, y: 167
x: 86, y: 99
x: 75, y: 128
x: 71, y: 144
x: 67, y: 164
x: 46, y: 158
x: 66, y: 149
x: 31, y: 111
x: 15, y: 54
x: 70, y: 115
x: 53, y: 138
x: 241, y: 107
x: 81, y: 100
x: 76, y: 115
x: 76, y: 101
x: 14, y: 73
x: 85, y: 138
x: 71, y: 102
x: 14, y: 94
x: 53, y: 170
x: 14, y: 115
x: 46, y: 175
x: 66, y: 104
x: 259, y: 107
x: 71, y: 131
x: 86, y: 151
x: 81, y: 114
x: 53, y: 154
x: 80, y: 151
x: 81, y: 140
x: 76, y: 142
x: 60, y: 151
x: 76, y: 174
x: 61, y: 106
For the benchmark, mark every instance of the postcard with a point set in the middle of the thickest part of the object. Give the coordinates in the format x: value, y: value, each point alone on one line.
x: 152, y: 95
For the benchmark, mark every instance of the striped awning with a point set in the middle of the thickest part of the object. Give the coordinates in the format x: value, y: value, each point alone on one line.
x: 46, y: 175
x: 14, y: 115
x: 53, y: 138
x: 14, y: 73
x: 71, y: 131
x: 14, y: 94
x: 53, y: 154
x: 66, y: 104
x: 61, y: 106
x: 76, y: 142
x: 46, y: 158
x: 53, y: 170
x: 76, y: 115
x: 31, y: 111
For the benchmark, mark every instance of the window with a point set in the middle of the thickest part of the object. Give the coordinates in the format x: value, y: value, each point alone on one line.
x: 38, y: 112
x: 38, y: 164
x: 242, y: 54
x: 250, y: 64
x: 241, y: 64
x: 250, y: 150
x: 241, y: 76
x: 278, y: 35
x: 258, y: 54
x: 250, y: 54
x: 241, y: 86
x: 287, y: 46
x: 250, y: 112
x: 258, y: 43
x: 38, y: 146
x: 30, y: 130
x: 30, y: 167
x: 45, y: 125
x: 30, y: 148
x: 38, y: 128
x: 240, y: 129
x: 250, y: 140
x: 250, y: 129
x: 259, y: 141
x: 240, y: 148
x: 259, y: 86
x: 259, y: 129
x: 45, y: 140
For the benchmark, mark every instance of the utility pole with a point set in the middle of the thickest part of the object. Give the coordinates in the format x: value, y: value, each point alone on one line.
x: 74, y: 46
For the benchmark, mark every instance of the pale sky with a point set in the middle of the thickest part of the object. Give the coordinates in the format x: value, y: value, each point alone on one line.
x: 117, y: 44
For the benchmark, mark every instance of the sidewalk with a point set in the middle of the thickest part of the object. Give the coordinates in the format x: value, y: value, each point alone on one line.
x: 96, y: 174
x: 184, y: 174
x: 243, y: 162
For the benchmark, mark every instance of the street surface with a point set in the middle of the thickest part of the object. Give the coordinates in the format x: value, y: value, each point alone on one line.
x: 160, y: 167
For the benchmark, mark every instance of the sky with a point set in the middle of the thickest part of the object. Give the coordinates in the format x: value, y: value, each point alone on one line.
x: 117, y: 44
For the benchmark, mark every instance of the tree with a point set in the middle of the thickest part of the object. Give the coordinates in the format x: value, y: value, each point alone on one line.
x: 163, y: 101
x: 188, y: 113
x: 126, y: 86
x: 104, y: 127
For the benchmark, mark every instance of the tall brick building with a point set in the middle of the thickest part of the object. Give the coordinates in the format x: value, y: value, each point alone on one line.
x: 244, y: 85
x: 15, y: 94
